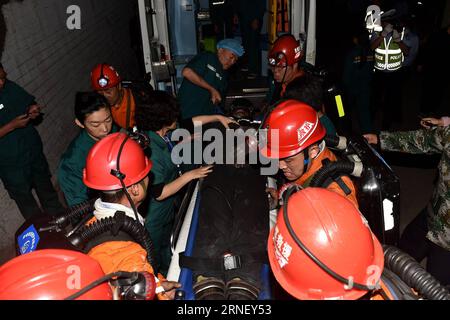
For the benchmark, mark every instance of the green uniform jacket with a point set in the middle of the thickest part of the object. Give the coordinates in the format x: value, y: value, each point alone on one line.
x: 70, y: 169
x: 194, y: 100
x: 17, y: 147
x: 160, y: 214
x: 429, y: 141
x: 71, y: 165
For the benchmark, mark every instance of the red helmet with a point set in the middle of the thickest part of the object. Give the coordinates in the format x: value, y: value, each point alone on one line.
x: 104, y: 76
x: 286, y: 51
x: 102, y: 162
x: 51, y: 275
x: 337, y: 234
x: 298, y: 127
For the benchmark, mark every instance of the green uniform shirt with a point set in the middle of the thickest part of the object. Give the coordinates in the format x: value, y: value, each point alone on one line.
x: 160, y: 214
x: 429, y: 141
x: 328, y: 125
x: 194, y: 100
x: 70, y: 169
x: 18, y: 146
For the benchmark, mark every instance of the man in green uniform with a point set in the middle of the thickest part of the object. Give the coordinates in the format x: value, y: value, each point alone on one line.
x: 428, y: 235
x: 23, y: 165
x: 93, y: 116
x: 205, y: 79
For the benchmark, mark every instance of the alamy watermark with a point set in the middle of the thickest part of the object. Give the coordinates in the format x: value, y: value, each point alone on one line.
x: 73, y: 22
x: 214, y: 146
x: 73, y: 281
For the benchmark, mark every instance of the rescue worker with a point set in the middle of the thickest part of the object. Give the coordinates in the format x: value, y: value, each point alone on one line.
x: 93, y: 116
x: 316, y: 234
x: 56, y: 274
x: 23, y: 165
x: 428, y: 235
x: 301, y: 148
x: 43, y: 275
x: 157, y: 116
x: 284, y: 61
x: 118, y: 168
x: 106, y: 81
x: 205, y: 80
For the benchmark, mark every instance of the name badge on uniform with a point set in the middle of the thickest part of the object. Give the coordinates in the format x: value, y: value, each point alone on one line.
x: 210, y: 67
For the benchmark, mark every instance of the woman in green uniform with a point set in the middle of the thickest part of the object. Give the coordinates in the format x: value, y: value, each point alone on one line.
x: 157, y: 115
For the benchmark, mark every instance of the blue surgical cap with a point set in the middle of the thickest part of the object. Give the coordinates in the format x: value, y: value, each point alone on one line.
x: 232, y: 45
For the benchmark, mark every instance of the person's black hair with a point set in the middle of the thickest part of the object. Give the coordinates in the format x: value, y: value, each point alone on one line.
x: 307, y: 89
x: 1, y: 66
x: 114, y: 196
x: 156, y: 110
x: 87, y: 103
x: 241, y: 105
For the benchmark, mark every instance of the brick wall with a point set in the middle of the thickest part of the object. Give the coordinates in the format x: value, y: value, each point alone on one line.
x: 52, y: 63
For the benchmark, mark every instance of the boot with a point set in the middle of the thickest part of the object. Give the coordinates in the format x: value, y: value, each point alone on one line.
x: 209, y: 288
x: 238, y: 289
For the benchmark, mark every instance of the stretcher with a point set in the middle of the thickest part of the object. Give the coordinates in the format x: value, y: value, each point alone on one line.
x: 184, y: 240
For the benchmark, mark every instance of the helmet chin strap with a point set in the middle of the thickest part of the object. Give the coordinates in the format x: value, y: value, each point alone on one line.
x: 118, y: 174
x: 285, y: 68
x: 306, y: 157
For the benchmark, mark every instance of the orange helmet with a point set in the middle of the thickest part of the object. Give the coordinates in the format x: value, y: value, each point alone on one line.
x: 114, y: 158
x: 104, y: 76
x: 286, y: 51
x: 51, y: 275
x: 322, y: 248
x: 298, y: 127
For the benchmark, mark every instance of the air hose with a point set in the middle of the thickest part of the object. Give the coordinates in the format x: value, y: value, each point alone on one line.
x: 413, y: 274
x: 119, y: 222
x: 74, y: 213
x: 398, y: 289
x: 336, y: 168
x: 337, y: 142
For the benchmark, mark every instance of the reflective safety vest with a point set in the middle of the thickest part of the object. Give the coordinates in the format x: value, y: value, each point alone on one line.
x: 389, y: 56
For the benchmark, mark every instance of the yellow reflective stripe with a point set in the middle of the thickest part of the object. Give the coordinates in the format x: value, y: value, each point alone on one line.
x: 384, y: 54
x: 393, y: 51
x: 340, y: 105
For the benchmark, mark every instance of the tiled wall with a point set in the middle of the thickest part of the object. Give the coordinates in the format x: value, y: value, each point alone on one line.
x: 52, y: 63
